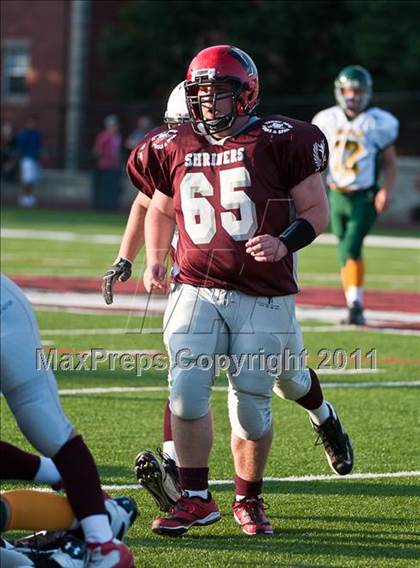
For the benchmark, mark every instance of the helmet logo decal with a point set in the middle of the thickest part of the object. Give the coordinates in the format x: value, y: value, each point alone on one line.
x: 319, y: 154
x: 209, y: 74
x: 276, y: 126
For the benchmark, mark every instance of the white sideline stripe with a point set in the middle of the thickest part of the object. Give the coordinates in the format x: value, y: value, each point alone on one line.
x: 59, y: 236
x: 102, y: 331
x: 343, y: 328
x: 109, y: 390
x: 138, y: 303
x: 376, y: 241
x: 293, y: 478
x: 147, y: 330
x: 327, y: 239
x: 81, y: 300
x: 336, y: 315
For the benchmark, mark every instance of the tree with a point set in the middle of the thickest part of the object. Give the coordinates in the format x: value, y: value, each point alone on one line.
x: 298, y: 46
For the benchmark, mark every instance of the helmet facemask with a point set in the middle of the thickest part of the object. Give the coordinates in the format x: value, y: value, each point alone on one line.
x: 204, y: 109
x: 355, y: 103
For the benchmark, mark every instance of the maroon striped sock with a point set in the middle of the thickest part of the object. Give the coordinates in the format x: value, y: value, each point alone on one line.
x: 167, y: 430
x: 248, y: 488
x: 17, y: 464
x: 314, y: 398
x: 81, y: 479
x: 194, y: 478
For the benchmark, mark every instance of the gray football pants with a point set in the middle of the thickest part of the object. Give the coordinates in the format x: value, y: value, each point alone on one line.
x: 209, y: 328
x: 31, y: 393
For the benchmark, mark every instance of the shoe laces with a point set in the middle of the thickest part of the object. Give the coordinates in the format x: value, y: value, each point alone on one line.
x: 184, y: 503
x: 255, y: 507
x: 330, y: 436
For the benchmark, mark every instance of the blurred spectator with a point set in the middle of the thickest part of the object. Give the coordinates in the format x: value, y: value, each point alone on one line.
x: 144, y: 125
x: 9, y: 157
x: 107, y: 178
x: 29, y: 149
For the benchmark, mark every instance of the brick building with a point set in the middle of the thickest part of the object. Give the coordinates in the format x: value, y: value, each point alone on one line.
x: 51, y: 70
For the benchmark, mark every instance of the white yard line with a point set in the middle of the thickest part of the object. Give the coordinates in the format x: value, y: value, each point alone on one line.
x: 293, y: 478
x: 371, y: 240
x: 111, y: 390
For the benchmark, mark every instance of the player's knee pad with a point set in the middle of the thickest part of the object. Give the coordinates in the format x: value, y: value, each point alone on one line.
x: 249, y: 414
x: 292, y: 385
x: 189, y: 393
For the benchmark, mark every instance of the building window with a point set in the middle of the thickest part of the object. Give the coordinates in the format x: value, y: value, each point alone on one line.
x: 15, y: 66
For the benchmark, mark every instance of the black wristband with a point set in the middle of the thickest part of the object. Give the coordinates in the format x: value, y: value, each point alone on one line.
x: 298, y: 235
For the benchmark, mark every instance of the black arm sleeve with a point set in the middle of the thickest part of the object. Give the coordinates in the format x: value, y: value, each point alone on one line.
x: 298, y: 235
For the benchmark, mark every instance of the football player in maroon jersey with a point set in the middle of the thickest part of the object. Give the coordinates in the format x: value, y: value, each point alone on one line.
x: 246, y: 194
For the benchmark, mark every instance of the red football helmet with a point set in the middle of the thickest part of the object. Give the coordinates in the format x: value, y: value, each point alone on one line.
x: 221, y: 64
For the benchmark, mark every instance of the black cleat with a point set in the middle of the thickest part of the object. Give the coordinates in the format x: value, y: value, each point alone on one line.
x: 337, y: 444
x: 160, y: 479
x: 356, y: 316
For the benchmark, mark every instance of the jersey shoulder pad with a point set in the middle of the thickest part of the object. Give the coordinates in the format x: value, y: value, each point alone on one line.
x: 383, y: 118
x: 386, y: 126
x: 323, y: 117
x: 141, y: 161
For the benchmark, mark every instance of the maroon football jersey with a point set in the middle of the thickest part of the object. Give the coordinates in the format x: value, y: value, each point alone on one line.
x: 227, y: 191
x: 137, y: 163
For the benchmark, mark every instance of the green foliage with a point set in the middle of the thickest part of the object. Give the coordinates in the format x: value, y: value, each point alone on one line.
x: 298, y: 46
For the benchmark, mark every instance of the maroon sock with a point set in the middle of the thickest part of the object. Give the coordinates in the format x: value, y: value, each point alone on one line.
x: 194, y: 478
x: 17, y: 464
x: 248, y: 488
x: 81, y: 479
x: 314, y: 398
x: 167, y: 430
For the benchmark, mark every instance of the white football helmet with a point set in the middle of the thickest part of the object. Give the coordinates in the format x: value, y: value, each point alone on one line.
x: 176, y: 109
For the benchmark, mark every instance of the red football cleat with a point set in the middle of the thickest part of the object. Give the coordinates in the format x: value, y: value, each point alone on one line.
x: 111, y: 554
x: 249, y: 514
x: 187, y: 512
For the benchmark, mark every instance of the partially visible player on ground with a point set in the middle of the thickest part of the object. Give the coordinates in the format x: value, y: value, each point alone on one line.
x: 273, y: 164
x: 360, y: 137
x: 32, y: 396
x: 28, y: 509
x: 49, y: 516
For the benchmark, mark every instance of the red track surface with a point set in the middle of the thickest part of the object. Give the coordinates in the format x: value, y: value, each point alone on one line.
x: 400, y: 301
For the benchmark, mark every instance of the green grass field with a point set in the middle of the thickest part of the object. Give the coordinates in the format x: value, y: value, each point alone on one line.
x: 358, y: 522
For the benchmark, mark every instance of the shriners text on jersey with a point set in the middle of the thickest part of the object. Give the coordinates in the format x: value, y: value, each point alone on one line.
x: 354, y: 145
x: 226, y: 192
